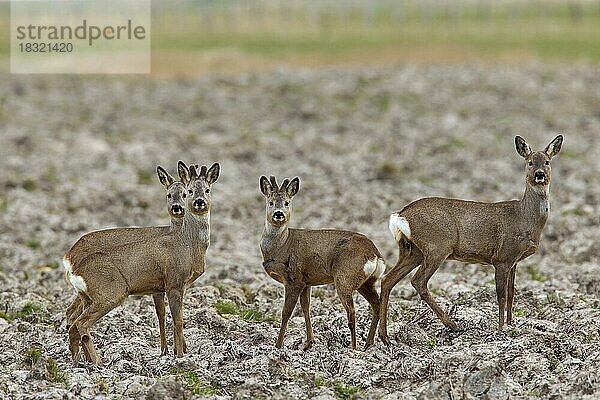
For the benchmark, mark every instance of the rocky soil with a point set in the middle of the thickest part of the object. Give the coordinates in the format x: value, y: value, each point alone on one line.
x: 79, y: 154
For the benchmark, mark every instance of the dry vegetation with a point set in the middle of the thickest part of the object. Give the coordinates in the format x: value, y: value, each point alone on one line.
x: 78, y: 154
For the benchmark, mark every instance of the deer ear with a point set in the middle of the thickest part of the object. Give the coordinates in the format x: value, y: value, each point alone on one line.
x: 265, y: 186
x: 554, y: 147
x: 213, y: 173
x: 184, y: 172
x: 164, y: 177
x: 522, y: 147
x: 293, y: 187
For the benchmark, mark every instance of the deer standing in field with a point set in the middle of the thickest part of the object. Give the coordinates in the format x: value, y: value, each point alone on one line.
x: 149, y: 263
x: 301, y: 258
x: 103, y: 240
x: 431, y: 230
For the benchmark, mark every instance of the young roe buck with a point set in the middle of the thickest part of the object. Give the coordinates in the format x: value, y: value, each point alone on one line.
x: 301, y: 258
x: 431, y: 230
x: 103, y: 240
x: 146, y: 265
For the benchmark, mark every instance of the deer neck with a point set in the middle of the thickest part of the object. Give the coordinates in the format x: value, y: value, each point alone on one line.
x: 195, y: 231
x: 535, y: 206
x: 176, y: 225
x: 273, y: 239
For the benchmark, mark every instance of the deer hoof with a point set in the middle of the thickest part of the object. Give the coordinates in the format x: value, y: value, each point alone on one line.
x: 452, y: 326
x: 385, y: 339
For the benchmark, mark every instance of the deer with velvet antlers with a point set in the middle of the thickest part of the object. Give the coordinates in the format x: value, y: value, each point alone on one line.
x: 105, y: 267
x: 302, y: 258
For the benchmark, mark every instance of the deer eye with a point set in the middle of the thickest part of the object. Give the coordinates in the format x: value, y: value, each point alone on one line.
x: 530, y: 163
x: 207, y: 191
x: 190, y: 191
x: 271, y: 204
x: 547, y: 162
x: 169, y: 196
x: 287, y: 203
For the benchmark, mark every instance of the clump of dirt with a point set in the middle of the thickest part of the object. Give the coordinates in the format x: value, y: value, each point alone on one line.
x: 79, y: 154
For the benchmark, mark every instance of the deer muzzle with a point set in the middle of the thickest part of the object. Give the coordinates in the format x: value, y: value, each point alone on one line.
x: 539, y: 176
x: 278, y: 216
x: 176, y: 209
x: 199, y: 204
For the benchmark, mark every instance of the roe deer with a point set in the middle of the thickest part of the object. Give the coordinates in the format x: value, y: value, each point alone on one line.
x: 431, y: 230
x: 148, y: 264
x: 103, y: 240
x: 199, y: 183
x: 301, y: 258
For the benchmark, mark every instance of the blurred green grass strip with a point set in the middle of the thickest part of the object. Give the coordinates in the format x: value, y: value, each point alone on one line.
x: 272, y: 29
x: 549, y: 30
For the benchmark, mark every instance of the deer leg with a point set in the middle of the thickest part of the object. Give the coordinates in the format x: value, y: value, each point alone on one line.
x: 403, y: 267
x: 192, y: 279
x: 73, y: 311
x: 305, y: 304
x: 510, y: 295
x: 86, y: 320
x: 74, y: 348
x: 175, y: 297
x: 159, y: 306
x: 291, y: 298
x: 348, y: 303
x: 367, y: 290
x: 419, y: 282
x: 502, y: 277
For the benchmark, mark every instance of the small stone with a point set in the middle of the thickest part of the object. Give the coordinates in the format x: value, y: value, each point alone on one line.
x: 168, y: 388
x: 498, y: 390
x: 24, y: 326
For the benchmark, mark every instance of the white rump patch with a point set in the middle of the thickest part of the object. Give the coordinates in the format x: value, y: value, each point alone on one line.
x: 399, y: 226
x: 380, y: 268
x: 75, y: 280
x: 78, y: 283
x: 374, y: 268
x: 370, y: 267
x: 67, y: 265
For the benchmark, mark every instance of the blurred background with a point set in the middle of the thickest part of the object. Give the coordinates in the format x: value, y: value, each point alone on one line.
x: 197, y: 36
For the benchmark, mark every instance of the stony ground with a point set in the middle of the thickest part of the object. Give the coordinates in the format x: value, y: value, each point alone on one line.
x: 78, y: 154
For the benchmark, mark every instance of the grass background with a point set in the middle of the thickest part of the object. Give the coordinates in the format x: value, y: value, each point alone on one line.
x: 191, y: 37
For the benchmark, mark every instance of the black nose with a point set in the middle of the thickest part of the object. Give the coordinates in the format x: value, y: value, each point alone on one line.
x: 199, y: 204
x: 539, y: 175
x: 176, y: 209
x: 278, y: 216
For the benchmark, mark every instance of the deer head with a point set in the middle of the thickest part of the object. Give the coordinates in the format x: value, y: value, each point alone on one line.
x: 198, y: 181
x: 537, y: 168
x: 279, y: 199
x: 176, y: 193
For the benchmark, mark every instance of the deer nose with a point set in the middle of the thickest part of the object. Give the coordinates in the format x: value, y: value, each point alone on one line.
x: 279, y: 216
x: 199, y: 204
x: 539, y: 176
x: 176, y: 209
